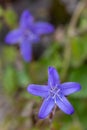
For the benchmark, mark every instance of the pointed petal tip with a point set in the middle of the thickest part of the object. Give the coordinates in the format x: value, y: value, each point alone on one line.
x: 70, y: 87
x: 26, y: 12
x: 28, y: 88
x: 46, y: 108
x: 80, y: 87
x: 41, y: 117
x: 65, y: 105
x: 43, y: 28
x: 27, y: 60
x: 26, y: 50
x: 50, y: 68
x: 13, y: 36
x: 53, y: 76
x: 52, y: 29
x: 6, y: 40
x: 71, y: 112
x: 38, y: 90
x: 26, y: 19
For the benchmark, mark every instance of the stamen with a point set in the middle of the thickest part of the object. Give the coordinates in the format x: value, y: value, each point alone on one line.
x: 55, y: 92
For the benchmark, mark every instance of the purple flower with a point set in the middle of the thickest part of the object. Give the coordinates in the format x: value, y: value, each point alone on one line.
x: 27, y: 33
x: 54, y: 93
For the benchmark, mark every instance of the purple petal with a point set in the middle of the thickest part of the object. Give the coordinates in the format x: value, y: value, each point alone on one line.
x: 53, y: 77
x: 26, y: 50
x: 13, y: 36
x: 64, y: 105
x: 38, y: 90
x: 43, y: 28
x: 26, y: 19
x: 33, y: 38
x: 70, y: 87
x: 46, y: 108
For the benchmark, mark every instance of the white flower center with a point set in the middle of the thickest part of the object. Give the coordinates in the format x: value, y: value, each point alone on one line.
x: 55, y: 92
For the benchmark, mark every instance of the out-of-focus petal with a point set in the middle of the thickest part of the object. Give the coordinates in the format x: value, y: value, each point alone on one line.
x: 70, y: 87
x: 46, y: 108
x: 26, y: 19
x: 64, y: 105
x: 43, y: 28
x: 33, y: 38
x: 26, y: 50
x: 38, y: 90
x: 13, y: 37
x: 53, y: 77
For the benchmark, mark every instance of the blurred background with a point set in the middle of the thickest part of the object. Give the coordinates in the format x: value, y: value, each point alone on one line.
x: 65, y: 49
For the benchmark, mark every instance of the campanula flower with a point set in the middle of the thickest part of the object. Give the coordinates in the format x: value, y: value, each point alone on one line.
x: 27, y: 33
x: 54, y: 94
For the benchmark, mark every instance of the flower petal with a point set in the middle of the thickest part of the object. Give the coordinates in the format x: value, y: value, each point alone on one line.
x: 53, y: 77
x: 64, y: 105
x: 38, y: 90
x: 33, y: 38
x: 46, y: 108
x: 26, y: 50
x: 26, y: 19
x: 70, y: 87
x: 13, y: 36
x: 43, y: 28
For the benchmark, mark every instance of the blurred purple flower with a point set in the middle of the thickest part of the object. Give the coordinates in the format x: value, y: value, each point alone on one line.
x: 27, y: 33
x: 54, y: 93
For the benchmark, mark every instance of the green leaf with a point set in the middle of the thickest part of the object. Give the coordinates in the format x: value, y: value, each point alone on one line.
x: 77, y: 51
x: 23, y: 78
x: 9, y: 80
x: 83, y: 20
x: 38, y: 72
x: 9, y: 54
x: 10, y: 17
x: 52, y: 57
x: 79, y: 75
x: 26, y: 95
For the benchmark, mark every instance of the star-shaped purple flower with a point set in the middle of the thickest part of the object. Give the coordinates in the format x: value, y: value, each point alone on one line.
x: 27, y: 33
x: 54, y: 93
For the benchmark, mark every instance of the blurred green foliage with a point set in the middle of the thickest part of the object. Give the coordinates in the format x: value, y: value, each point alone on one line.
x: 10, y: 18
